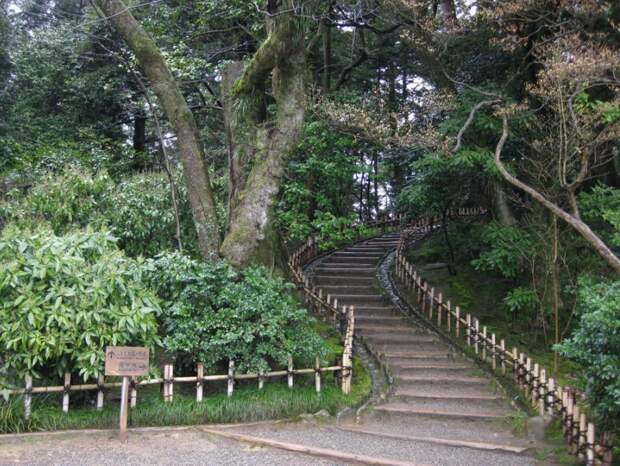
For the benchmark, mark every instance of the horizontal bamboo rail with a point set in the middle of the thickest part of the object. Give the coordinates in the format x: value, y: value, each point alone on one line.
x: 168, y: 380
x: 545, y: 394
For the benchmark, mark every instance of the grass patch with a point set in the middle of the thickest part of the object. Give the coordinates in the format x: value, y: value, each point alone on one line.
x: 248, y: 404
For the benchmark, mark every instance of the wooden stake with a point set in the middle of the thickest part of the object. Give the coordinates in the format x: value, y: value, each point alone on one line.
x: 28, y: 397
x: 200, y: 373
x: 458, y: 321
x: 65, y: 394
x: 124, y: 409
x: 582, y: 435
x: 590, y: 448
x: 317, y: 375
x: 477, y: 335
x: 290, y: 372
x: 468, y: 328
x: 551, y: 396
x: 100, y: 392
x: 261, y: 380
x: 484, y: 343
x: 502, y: 345
x: 133, y: 398
x: 439, y: 309
x: 449, y: 316
x: 528, y: 375
x: 231, y: 378
x: 432, y: 303
x: 541, y: 392
x: 575, y: 432
x: 493, y: 352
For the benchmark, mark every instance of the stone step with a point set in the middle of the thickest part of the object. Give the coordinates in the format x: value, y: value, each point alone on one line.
x: 362, y: 249
x: 398, y: 356
x: 496, y: 431
x: 320, y: 280
x: 424, y: 380
x: 431, y: 371
x: 347, y: 265
x: 472, y: 444
x: 459, y: 364
x: 359, y: 298
x: 463, y: 394
x: 401, y: 339
x: 421, y: 346
x: 407, y: 410
x: 351, y: 260
x: 344, y: 289
x: 347, y: 447
x: 339, y: 271
x: 398, y: 328
x: 362, y: 320
x: 358, y: 254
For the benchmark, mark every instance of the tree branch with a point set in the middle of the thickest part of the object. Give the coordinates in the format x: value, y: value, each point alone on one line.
x: 583, y: 229
x: 469, y: 121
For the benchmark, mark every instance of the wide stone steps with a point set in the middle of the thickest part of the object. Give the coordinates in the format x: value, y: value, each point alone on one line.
x: 439, y: 396
x: 440, y: 409
x: 350, y: 446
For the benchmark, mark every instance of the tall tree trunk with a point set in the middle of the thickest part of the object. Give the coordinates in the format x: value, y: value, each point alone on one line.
x: 251, y: 236
x: 139, y: 140
x: 178, y: 113
x: 327, y: 56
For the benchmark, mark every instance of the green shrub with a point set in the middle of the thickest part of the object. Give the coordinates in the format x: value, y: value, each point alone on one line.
x: 595, y: 345
x: 507, y: 250
x: 63, y: 299
x: 137, y: 209
x: 212, y: 314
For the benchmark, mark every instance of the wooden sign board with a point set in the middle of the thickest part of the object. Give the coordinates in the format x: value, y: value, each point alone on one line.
x: 127, y: 361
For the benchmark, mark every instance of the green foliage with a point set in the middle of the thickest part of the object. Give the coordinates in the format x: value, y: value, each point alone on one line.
x: 442, y: 182
x: 315, y: 194
x: 601, y: 207
x: 212, y: 314
x: 595, y: 344
x: 63, y: 299
x: 138, y: 209
x: 522, y: 299
x: 507, y: 249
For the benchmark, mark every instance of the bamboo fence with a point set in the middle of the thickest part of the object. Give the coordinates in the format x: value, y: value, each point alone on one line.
x: 168, y: 381
x: 546, y: 395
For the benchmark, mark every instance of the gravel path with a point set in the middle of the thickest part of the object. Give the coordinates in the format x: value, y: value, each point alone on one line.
x: 162, y: 447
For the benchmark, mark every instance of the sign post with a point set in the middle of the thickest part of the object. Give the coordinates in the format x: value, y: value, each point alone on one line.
x: 126, y: 361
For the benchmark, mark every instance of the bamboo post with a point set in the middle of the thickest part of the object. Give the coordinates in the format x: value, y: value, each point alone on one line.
x: 564, y: 412
x: 570, y: 406
x: 502, y: 345
x: 515, y: 364
x: 439, y: 309
x: 582, y: 436
x: 449, y: 316
x: 170, y: 383
x: 476, y: 335
x: 65, y: 393
x: 231, y: 378
x: 542, y: 399
x: 317, y: 375
x: 458, y: 321
x: 289, y: 372
x: 590, y: 445
x: 133, y: 393
x: 261, y: 380
x: 432, y: 303
x: 575, y: 431
x: 551, y: 396
x: 200, y: 373
x: 536, y: 383
x: 28, y: 397
x: 468, y: 328
x: 123, y: 411
x: 528, y: 375
x: 100, y: 392
x: 493, y: 352
x: 424, y: 293
x: 484, y: 342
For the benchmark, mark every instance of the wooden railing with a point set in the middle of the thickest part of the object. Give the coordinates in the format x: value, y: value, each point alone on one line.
x: 168, y: 381
x: 543, y: 392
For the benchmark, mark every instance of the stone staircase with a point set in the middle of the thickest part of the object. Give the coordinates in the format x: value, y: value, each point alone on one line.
x: 441, y: 410
x: 438, y: 395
